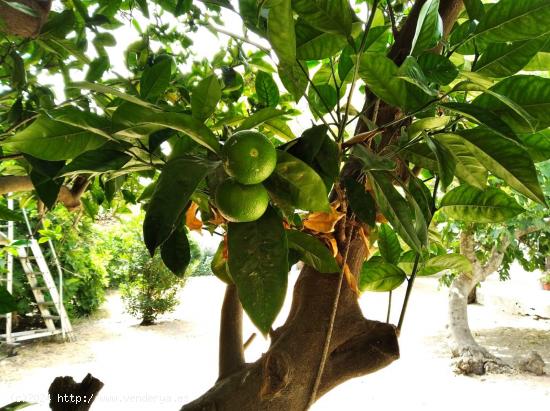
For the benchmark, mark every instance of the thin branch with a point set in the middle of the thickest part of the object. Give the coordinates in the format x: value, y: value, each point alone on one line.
x: 239, y: 37
x: 392, y: 19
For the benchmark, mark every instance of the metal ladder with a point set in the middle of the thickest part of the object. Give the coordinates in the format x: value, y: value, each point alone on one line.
x: 42, y: 284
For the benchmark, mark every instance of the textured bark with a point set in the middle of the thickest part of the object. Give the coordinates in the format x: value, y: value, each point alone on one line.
x: 13, y: 21
x: 68, y: 395
x: 69, y: 197
x: 231, y: 355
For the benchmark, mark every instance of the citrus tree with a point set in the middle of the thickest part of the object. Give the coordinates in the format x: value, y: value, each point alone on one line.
x: 412, y: 105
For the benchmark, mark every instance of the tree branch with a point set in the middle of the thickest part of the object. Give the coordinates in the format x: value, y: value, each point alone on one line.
x: 231, y: 351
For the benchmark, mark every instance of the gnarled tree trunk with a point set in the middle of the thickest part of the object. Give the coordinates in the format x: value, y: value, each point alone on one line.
x: 24, y: 24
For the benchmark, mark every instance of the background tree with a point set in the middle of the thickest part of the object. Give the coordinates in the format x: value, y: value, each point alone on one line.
x: 442, y: 106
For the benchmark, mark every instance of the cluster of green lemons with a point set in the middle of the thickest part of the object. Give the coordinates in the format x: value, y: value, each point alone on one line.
x: 248, y: 158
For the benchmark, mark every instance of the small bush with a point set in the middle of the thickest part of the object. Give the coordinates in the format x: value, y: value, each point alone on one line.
x: 150, y: 289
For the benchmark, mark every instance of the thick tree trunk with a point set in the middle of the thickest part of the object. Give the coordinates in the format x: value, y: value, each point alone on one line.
x: 282, y: 379
x: 14, y: 21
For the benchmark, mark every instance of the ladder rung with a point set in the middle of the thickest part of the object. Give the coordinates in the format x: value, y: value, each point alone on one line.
x: 36, y: 272
x: 51, y: 317
x: 39, y: 288
x: 28, y: 257
x: 46, y: 303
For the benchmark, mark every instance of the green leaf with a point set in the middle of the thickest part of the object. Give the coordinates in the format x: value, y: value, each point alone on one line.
x: 429, y: 28
x: 9, y: 215
x: 266, y: 89
x: 388, y: 243
x: 330, y: 16
x: 412, y: 73
x: 205, y: 97
x: 372, y: 161
x: 280, y: 29
x: 176, y: 253
x: 312, y: 252
x: 294, y: 78
x: 360, y: 201
x: 537, y: 145
x: 130, y: 115
x: 505, y: 59
x: 297, y: 184
x: 380, y: 73
x: 258, y: 263
x: 540, y: 62
x: 260, y: 117
x: 22, y: 8
x: 312, y: 44
x: 18, y: 405
x: 178, y: 180
x: 483, y: 117
x: 437, y: 68
x: 395, y: 208
x: 43, y: 176
x: 505, y: 159
x: 155, y: 79
x: 100, y: 88
x: 532, y: 93
x: 454, y: 262
x: 445, y: 161
x: 422, y: 196
x: 96, y: 161
x: 470, y: 204
x: 468, y: 168
x: 475, y: 9
x: 219, y: 264
x: 82, y: 119
x: 513, y: 20
x: 427, y: 124
x: 380, y: 276
x: 142, y: 4
x: 19, y: 74
x: 280, y: 129
x: 97, y: 67
x: 53, y: 140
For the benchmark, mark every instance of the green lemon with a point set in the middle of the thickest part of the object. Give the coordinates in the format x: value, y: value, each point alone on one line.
x: 241, y: 203
x: 249, y: 157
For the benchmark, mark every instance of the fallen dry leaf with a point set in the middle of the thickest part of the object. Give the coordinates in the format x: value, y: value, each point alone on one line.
x: 191, y: 220
x: 323, y: 222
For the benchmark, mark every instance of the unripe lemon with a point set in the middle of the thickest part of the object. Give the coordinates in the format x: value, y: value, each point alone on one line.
x: 241, y: 203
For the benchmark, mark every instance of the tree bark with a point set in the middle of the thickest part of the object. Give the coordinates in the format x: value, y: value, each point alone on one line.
x: 69, y: 197
x: 68, y: 395
x: 16, y: 22
x: 469, y: 356
x: 231, y: 351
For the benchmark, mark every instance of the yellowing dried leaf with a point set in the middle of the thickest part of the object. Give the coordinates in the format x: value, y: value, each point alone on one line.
x: 191, y: 220
x: 323, y: 222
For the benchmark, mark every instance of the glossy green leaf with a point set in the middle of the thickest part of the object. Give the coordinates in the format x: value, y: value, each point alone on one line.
x: 331, y: 16
x: 19, y: 74
x: 475, y: 9
x: 429, y: 28
x: 505, y: 159
x: 446, y: 164
x: 205, y: 97
x: 178, y: 180
x: 260, y: 117
x: 82, y: 119
x: 44, y: 179
x: 312, y: 252
x: 380, y: 276
x: 176, y: 253
x: 537, y: 145
x: 412, y: 73
x: 513, y: 20
x: 312, y: 44
x: 437, y: 68
x: 380, y: 73
x: 427, y: 124
x: 53, y: 140
x: 18, y: 405
x: 453, y: 262
x: 9, y: 215
x: 395, y: 208
x: 422, y: 196
x: 360, y: 201
x: 97, y: 67
x: 506, y: 59
x: 142, y: 4
x: 219, y: 264
x: 470, y: 204
x: 258, y: 263
x: 297, y: 184
x: 281, y: 34
x: 280, y: 128
x: 155, y: 79
x: 132, y: 115
x: 532, y: 93
x: 294, y: 78
x: 96, y: 161
x: 388, y: 244
x: 100, y: 88
x: 372, y: 161
x: 540, y: 62
x: 482, y: 116
x: 468, y: 168
x: 266, y: 89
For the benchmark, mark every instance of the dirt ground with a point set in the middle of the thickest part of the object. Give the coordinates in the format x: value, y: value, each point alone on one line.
x: 164, y: 366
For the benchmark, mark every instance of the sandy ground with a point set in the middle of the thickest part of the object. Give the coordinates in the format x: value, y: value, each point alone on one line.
x: 164, y: 366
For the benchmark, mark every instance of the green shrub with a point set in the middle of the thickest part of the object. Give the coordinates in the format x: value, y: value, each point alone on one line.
x: 150, y: 289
